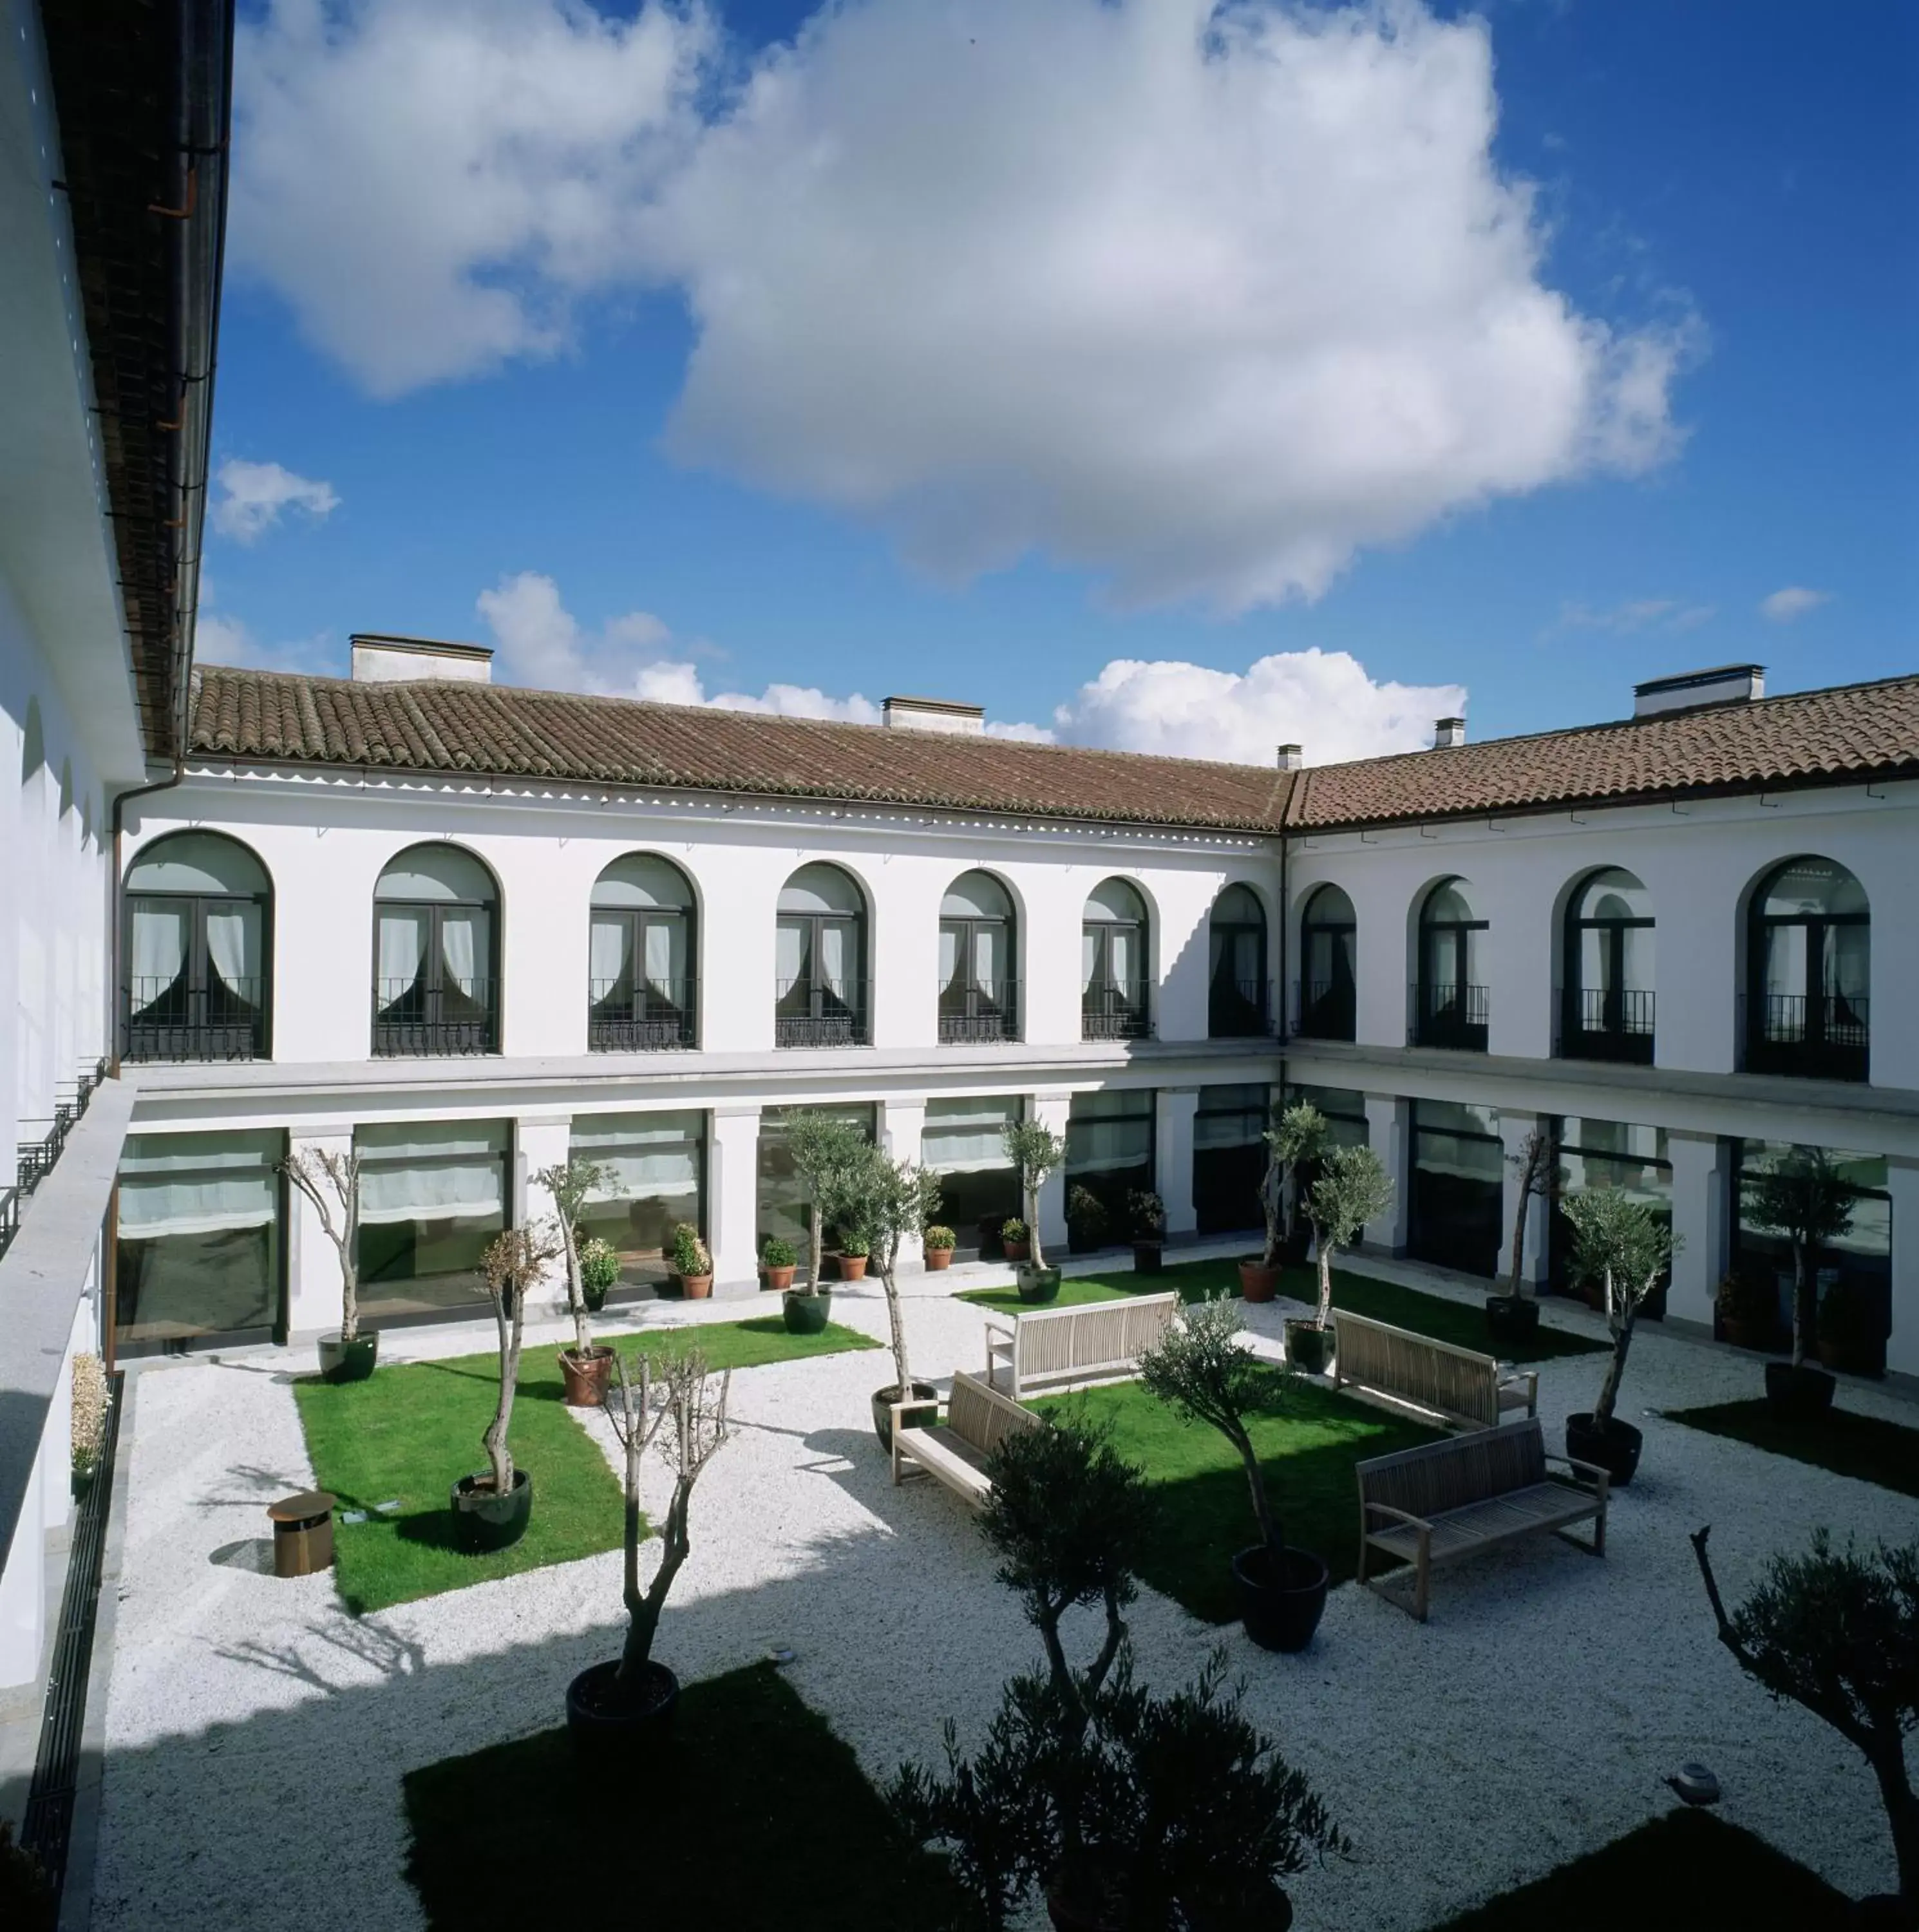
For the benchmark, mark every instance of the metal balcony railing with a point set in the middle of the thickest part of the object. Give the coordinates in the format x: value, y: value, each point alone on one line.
x: 456, y: 1017
x: 167, y: 1019
x: 34, y: 1160
x: 1324, y: 1009
x: 979, y: 1015
x: 815, y: 1013
x: 1609, y: 1023
x: 1824, y: 1036
x: 1450, y: 1015
x: 659, y: 1016
x: 1239, y: 1009
x: 1115, y: 1012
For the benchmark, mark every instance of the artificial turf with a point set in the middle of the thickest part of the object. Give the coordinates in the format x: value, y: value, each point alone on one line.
x: 1308, y: 1441
x: 753, y: 1814
x: 1458, y: 1322
x: 1686, y: 1872
x: 1847, y: 1443
x: 405, y: 1437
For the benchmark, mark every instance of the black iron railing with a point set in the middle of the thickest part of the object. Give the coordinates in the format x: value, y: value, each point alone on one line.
x: 1115, y: 1012
x: 817, y: 1013
x: 1822, y: 1036
x: 972, y: 1016
x: 657, y: 1017
x: 167, y: 1019
x: 1324, y: 1009
x: 1239, y: 1009
x: 1451, y: 1015
x: 458, y: 1016
x: 1609, y: 1023
x: 34, y: 1160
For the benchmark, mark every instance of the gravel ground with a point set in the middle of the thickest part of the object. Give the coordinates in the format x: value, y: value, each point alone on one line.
x: 257, y: 1734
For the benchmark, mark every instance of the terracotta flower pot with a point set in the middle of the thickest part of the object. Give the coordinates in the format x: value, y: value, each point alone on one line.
x: 1016, y: 1251
x: 586, y: 1376
x: 937, y: 1258
x: 852, y: 1267
x: 1257, y: 1282
x: 696, y: 1287
x: 779, y: 1280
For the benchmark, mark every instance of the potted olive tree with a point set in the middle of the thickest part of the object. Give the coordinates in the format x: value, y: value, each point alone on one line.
x: 584, y: 1366
x: 1148, y: 1213
x: 937, y: 1245
x: 331, y: 1182
x: 1033, y: 1151
x: 1621, y: 1244
x: 491, y: 1508
x: 1803, y: 1196
x: 1353, y: 1188
x: 1201, y: 1372
x: 609, y: 1705
x: 692, y: 1262
x: 1293, y: 1145
x: 1514, y: 1318
x: 891, y: 1199
x: 823, y: 1148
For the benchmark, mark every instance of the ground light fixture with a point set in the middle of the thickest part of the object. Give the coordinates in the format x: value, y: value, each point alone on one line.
x: 1694, y: 1784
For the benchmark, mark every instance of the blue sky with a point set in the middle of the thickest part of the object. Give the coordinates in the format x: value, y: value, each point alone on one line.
x: 1734, y: 188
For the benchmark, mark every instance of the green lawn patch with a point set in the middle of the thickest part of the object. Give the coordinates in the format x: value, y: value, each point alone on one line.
x: 1461, y: 1323
x: 755, y: 1816
x: 1201, y: 1513
x: 1845, y: 1442
x: 408, y: 1435
x: 1687, y: 1872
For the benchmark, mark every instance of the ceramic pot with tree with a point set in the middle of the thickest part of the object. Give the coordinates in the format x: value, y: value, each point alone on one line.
x: 891, y: 1199
x: 824, y: 1149
x: 1293, y: 1145
x: 1352, y: 1189
x: 1806, y: 1197
x: 331, y: 1182
x: 584, y: 1366
x: 1033, y: 1151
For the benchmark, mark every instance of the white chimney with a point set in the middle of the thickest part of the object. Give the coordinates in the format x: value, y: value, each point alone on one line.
x: 933, y: 714
x: 1448, y: 733
x: 1725, y: 684
x: 382, y: 660
x: 1292, y: 757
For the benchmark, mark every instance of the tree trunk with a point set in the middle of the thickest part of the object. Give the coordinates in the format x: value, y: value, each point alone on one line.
x: 498, y: 1454
x: 350, y: 1297
x: 643, y: 1610
x: 576, y: 1294
x: 1888, y: 1763
x: 1800, y: 1322
x: 1270, y: 1533
x: 1512, y: 1286
x: 815, y: 1236
x: 896, y: 1325
x: 1033, y: 1248
x: 1270, y: 1205
x: 1622, y: 1340
x: 1325, y: 1311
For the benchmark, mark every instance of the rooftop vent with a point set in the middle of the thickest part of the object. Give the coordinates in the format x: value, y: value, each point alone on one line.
x: 1725, y: 684
x: 382, y: 660
x: 1448, y: 732
x: 1292, y: 757
x: 933, y: 714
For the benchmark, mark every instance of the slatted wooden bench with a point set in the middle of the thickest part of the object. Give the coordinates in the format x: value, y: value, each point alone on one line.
x: 1445, y: 1500
x: 978, y: 1419
x: 1077, y: 1344
x: 1465, y: 1387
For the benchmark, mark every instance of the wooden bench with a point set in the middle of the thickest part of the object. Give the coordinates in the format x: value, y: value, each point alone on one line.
x: 1095, y: 1338
x: 1445, y: 1500
x: 1463, y: 1386
x: 978, y: 1419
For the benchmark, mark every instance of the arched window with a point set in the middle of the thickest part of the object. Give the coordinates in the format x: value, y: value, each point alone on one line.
x: 1809, y: 956
x: 1237, y: 1005
x: 199, y: 925
x: 435, y: 954
x: 1329, y: 952
x: 1113, y: 939
x: 1453, y: 1003
x: 1609, y: 985
x: 819, y: 960
x: 979, y: 999
x: 641, y: 980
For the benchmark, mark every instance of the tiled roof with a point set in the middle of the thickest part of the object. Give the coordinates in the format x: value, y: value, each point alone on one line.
x: 1811, y: 737
x: 1854, y: 732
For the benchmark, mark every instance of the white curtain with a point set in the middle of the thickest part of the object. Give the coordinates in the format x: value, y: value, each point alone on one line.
x: 1786, y: 959
x: 403, y: 946
x: 788, y: 952
x: 949, y: 941
x: 834, y: 950
x: 985, y: 960
x: 159, y: 948
x: 195, y: 1184
x: 963, y: 1136
x: 609, y: 945
x: 666, y: 949
x: 425, y: 1173
x: 644, y: 1154
x: 463, y: 945
x: 1848, y: 962
x: 1119, y: 952
x: 1089, y: 957
x: 232, y: 946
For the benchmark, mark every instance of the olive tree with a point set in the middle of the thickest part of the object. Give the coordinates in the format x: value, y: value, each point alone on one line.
x: 1353, y: 1188
x: 1805, y: 1197
x: 1623, y: 1246
x: 570, y: 1182
x: 514, y: 1261
x: 1034, y: 1150
x: 890, y: 1200
x: 1294, y: 1143
x: 331, y: 1182
x: 1536, y: 1171
x: 826, y: 1151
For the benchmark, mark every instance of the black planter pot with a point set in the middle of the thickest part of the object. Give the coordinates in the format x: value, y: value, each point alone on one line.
x: 1148, y: 1257
x: 1308, y: 1347
x: 595, y: 1299
x: 806, y: 1314
x: 602, y: 1727
x: 1280, y: 1611
x: 1037, y: 1284
x: 1611, y: 1446
x: 882, y: 1409
x: 349, y: 1361
x: 1271, y: 1910
x: 483, y: 1521
x: 1512, y: 1320
x: 1799, y: 1395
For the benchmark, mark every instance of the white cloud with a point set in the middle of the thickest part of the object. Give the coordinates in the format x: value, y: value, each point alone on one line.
x: 1639, y: 614
x: 1202, y: 299
x: 220, y: 639
x: 253, y: 497
x: 1794, y: 600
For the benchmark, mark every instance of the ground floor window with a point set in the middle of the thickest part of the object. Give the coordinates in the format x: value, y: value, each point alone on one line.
x: 1229, y: 1156
x: 1109, y: 1149
x: 978, y: 1191
x: 1457, y: 1185
x: 1595, y: 1154
x: 783, y: 1209
x: 652, y: 1178
x: 1854, y: 1272
x: 197, y: 1257
x: 433, y: 1194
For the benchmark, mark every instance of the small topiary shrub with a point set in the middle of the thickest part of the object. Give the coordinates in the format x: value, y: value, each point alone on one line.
x: 691, y: 1256
x: 1013, y: 1231
x: 776, y: 1253
x: 940, y: 1238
